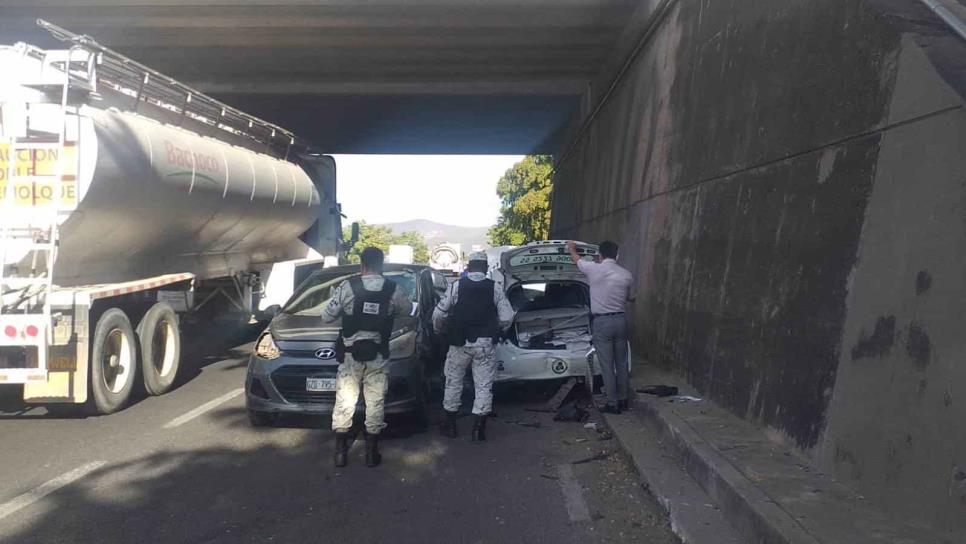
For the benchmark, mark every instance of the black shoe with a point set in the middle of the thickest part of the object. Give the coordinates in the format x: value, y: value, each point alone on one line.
x: 341, y: 449
x: 448, y: 427
x: 373, y: 457
x: 479, y: 429
x: 622, y: 405
x: 610, y: 409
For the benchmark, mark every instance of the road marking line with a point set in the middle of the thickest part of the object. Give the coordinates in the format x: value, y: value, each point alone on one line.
x: 573, y: 495
x: 43, y: 490
x: 181, y: 420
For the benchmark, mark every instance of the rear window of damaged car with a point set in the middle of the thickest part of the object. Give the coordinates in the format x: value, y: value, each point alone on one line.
x: 547, y: 295
x: 313, y: 295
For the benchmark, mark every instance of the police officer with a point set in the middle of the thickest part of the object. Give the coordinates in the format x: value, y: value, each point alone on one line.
x: 367, y: 305
x: 472, y: 316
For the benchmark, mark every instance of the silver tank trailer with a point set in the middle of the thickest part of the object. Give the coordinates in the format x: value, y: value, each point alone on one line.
x: 155, y: 199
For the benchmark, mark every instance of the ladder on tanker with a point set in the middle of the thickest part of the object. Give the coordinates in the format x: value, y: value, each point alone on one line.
x: 33, y: 196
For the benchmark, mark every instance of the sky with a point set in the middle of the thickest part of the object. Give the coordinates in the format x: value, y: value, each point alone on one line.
x: 451, y: 189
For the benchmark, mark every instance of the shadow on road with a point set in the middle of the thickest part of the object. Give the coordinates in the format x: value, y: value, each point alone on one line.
x: 278, y: 484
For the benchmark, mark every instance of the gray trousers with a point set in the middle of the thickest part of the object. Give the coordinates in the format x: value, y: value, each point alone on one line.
x: 610, y: 340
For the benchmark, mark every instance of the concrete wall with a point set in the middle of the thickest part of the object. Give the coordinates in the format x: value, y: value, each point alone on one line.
x: 786, y: 179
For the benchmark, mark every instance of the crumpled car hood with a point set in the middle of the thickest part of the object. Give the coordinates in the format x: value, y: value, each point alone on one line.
x: 304, y: 328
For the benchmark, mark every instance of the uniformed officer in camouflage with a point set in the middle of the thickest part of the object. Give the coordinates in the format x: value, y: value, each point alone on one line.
x: 367, y: 305
x: 472, y: 316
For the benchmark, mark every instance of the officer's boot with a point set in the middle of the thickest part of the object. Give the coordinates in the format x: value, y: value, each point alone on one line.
x: 479, y: 429
x: 448, y: 427
x: 341, y: 449
x: 373, y: 457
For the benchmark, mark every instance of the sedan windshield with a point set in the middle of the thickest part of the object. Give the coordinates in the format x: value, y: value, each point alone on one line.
x: 532, y: 296
x: 314, y: 293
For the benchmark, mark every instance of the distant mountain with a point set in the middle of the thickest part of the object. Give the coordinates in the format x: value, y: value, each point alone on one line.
x: 438, y: 233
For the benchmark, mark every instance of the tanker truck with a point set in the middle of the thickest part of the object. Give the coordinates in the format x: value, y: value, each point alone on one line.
x: 133, y: 208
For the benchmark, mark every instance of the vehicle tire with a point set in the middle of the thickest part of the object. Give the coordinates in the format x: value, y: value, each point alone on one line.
x: 261, y: 419
x: 160, y: 342
x: 114, y: 362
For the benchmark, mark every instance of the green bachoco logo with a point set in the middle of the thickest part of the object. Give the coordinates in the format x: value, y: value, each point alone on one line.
x: 559, y: 366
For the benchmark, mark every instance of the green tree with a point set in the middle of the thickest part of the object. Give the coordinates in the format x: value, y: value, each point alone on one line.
x: 382, y: 237
x: 416, y: 241
x: 369, y: 235
x: 524, y: 192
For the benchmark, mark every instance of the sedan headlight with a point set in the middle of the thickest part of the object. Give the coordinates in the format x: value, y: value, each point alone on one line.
x: 266, y: 348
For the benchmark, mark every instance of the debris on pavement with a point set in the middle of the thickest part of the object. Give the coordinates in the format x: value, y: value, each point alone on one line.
x: 572, y: 412
x: 592, y: 426
x: 685, y: 398
x: 532, y: 423
x: 659, y: 390
x: 558, y: 398
x: 596, y: 457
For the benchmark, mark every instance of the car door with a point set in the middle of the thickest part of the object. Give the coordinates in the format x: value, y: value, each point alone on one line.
x: 432, y: 349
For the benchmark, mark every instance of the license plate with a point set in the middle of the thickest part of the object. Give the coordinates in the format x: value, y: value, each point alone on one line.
x: 319, y: 384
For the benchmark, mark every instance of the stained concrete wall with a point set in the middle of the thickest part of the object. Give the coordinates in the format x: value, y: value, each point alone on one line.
x: 786, y: 179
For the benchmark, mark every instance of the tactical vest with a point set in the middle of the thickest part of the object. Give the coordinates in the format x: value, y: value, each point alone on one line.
x: 370, y: 312
x: 475, y: 315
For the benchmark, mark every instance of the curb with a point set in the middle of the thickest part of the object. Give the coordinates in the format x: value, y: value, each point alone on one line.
x: 748, y: 508
x: 693, y: 516
x: 764, y: 497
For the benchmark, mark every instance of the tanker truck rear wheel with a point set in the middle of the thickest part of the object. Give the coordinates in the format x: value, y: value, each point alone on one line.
x: 114, y: 361
x: 160, y: 342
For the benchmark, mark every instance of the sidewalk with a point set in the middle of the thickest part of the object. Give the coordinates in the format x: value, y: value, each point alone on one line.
x: 766, y: 492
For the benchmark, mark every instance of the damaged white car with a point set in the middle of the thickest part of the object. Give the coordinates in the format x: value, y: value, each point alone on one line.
x: 550, y: 336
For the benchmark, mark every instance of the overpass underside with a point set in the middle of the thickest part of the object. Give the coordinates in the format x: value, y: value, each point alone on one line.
x: 365, y: 76
x: 786, y: 180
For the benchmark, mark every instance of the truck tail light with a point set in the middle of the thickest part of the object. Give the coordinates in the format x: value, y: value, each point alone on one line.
x: 31, y: 331
x: 10, y: 331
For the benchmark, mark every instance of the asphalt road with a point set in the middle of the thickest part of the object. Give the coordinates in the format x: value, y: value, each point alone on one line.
x: 187, y: 467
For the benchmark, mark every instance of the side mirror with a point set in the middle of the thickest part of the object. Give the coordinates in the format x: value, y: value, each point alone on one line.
x: 355, y: 234
x: 273, y: 310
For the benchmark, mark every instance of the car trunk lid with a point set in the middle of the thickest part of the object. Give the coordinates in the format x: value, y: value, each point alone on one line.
x: 547, y: 260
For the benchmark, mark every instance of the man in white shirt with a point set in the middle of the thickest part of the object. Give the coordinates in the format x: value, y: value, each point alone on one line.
x: 610, y: 288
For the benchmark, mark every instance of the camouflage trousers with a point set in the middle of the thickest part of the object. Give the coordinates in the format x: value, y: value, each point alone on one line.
x: 372, y: 379
x: 458, y: 359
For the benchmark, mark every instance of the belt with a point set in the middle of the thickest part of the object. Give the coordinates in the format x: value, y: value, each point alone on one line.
x: 608, y: 315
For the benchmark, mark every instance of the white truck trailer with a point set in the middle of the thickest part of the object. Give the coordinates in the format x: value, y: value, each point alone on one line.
x: 131, y: 207
x: 400, y: 254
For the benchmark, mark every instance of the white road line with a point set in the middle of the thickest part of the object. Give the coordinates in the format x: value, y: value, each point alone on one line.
x: 181, y: 420
x: 573, y: 496
x: 43, y: 490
